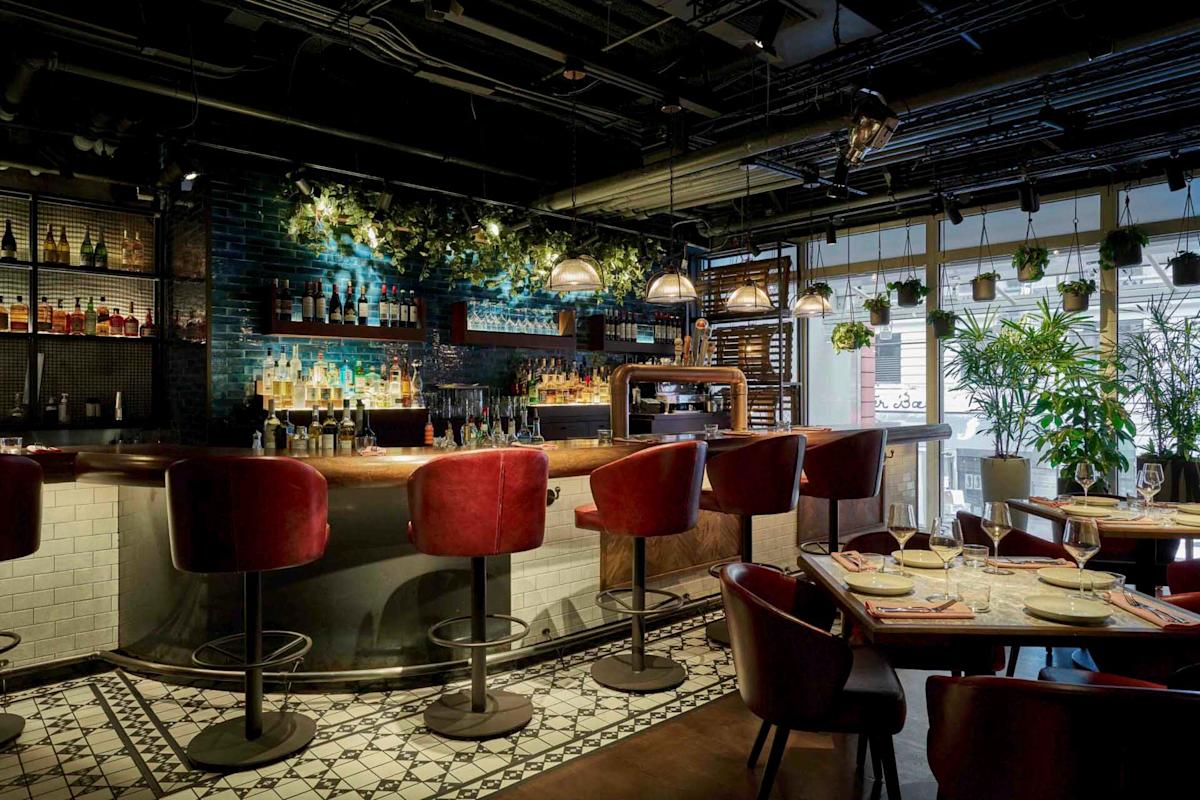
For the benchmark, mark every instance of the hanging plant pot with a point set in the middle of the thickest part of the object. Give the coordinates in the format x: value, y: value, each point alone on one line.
x: 881, y: 316
x: 983, y: 287
x: 1030, y: 262
x: 1075, y: 302
x: 1122, y: 247
x: 1185, y: 269
x: 1077, y: 295
x: 943, y: 323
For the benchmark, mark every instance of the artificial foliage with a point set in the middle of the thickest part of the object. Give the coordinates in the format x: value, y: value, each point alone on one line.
x: 485, y: 245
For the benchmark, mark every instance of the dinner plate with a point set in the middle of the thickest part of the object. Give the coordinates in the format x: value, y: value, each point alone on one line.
x: 1189, y: 508
x: 879, y: 583
x: 921, y: 559
x: 1068, y: 577
x: 1191, y: 520
x: 1064, y: 608
x: 1079, y: 510
x: 1111, y: 502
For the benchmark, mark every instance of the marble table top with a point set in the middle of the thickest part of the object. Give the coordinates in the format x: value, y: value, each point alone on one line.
x: 1124, y: 524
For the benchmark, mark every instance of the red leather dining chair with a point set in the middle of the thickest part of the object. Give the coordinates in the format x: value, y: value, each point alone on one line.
x: 1184, y: 576
x: 20, y: 536
x: 847, y: 468
x: 795, y: 675
x: 1003, y: 738
x: 1175, y: 665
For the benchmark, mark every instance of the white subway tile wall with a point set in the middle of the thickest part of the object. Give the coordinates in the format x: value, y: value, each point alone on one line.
x: 62, y: 600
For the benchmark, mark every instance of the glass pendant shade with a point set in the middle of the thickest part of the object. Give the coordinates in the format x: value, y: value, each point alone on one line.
x: 811, y: 305
x: 575, y: 273
x: 748, y: 298
x: 670, y: 287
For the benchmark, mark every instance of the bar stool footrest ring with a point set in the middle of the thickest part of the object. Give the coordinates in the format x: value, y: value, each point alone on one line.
x: 522, y: 632
x: 295, y: 646
x: 610, y: 600
x: 13, y: 639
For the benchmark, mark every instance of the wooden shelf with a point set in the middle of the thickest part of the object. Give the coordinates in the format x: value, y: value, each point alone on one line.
x: 94, y: 338
x: 18, y: 264
x: 328, y: 330
x: 116, y: 273
x: 596, y: 341
x: 460, y: 334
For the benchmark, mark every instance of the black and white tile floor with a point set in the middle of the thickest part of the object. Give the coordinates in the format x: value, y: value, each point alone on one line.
x: 120, y: 736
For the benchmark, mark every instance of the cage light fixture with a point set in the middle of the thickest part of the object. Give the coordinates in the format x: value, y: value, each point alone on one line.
x: 871, y: 126
x: 749, y: 298
x: 811, y: 304
x: 671, y: 287
x: 575, y: 273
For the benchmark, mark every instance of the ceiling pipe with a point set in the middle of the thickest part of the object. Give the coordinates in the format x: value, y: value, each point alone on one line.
x: 748, y: 147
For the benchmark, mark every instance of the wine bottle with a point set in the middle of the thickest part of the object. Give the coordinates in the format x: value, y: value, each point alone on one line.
x: 319, y: 303
x: 64, y: 247
x: 335, y: 307
x: 87, y: 254
x: 8, y: 244
x: 101, y: 253
x: 364, y: 305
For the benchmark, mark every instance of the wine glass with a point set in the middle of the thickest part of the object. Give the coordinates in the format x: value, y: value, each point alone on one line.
x: 1082, y: 540
x: 1149, y: 481
x: 1085, y: 476
x: 902, y: 524
x: 947, y: 543
x: 996, y: 524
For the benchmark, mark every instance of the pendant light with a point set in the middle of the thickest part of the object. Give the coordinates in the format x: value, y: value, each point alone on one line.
x: 813, y: 300
x: 575, y: 271
x: 749, y: 298
x: 671, y: 286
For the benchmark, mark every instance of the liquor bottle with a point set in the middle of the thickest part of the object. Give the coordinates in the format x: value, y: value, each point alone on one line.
x: 100, y: 256
x: 470, y: 433
x: 116, y: 323
x: 60, y: 320
x: 64, y: 247
x: 368, y: 435
x: 137, y: 256
x: 8, y: 244
x: 284, y: 302
x: 319, y: 303
x: 126, y: 249
x: 394, y: 310
x: 364, y: 305
x: 87, y: 255
x: 50, y: 248
x: 429, y: 430
x: 270, y: 427
x: 89, y: 319
x: 131, y: 323
x: 307, y: 303
x: 418, y: 386
x: 3, y: 315
x: 405, y: 386
x: 45, y: 315
x: 75, y: 321
x: 346, y: 431
x: 335, y: 307
x: 18, y: 316
x: 314, y: 425
x: 102, y: 328
x: 349, y: 314
x: 414, y: 310
x: 147, y: 329
x: 329, y: 432
x: 385, y: 308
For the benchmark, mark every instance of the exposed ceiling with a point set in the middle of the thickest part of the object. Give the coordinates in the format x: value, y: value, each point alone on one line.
x: 470, y: 97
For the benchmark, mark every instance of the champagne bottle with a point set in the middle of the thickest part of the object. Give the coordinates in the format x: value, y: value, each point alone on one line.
x: 50, y: 248
x: 87, y: 256
x: 101, y: 253
x: 8, y: 245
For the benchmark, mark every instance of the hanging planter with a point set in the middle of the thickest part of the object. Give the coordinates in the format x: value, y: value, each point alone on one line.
x: 880, y: 307
x: 942, y: 321
x: 1122, y: 247
x: 908, y: 292
x: 983, y: 286
x: 1077, y: 295
x: 1030, y: 262
x: 1185, y: 269
x: 849, y: 336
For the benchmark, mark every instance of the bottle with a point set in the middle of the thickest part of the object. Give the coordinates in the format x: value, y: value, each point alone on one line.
x: 405, y: 386
x: 64, y: 410
x: 131, y: 323
x: 45, y: 318
x: 59, y: 319
x: 137, y: 254
x: 284, y: 302
x: 385, y: 309
x: 87, y: 255
x: 75, y: 320
x: 319, y: 304
x: 8, y: 244
x: 394, y: 311
x: 346, y: 430
x: 64, y: 247
x: 270, y: 427
x: 349, y: 314
x: 418, y: 386
x: 308, y: 303
x: 368, y: 434
x: 18, y: 316
x: 89, y: 319
x: 50, y: 248
x: 335, y: 308
x: 329, y: 432
x: 314, y: 426
x: 147, y: 329
x: 102, y: 328
x: 101, y: 254
x: 414, y: 310
x: 3, y: 315
x: 429, y: 430
x: 364, y: 305
x: 126, y: 249
x: 116, y: 323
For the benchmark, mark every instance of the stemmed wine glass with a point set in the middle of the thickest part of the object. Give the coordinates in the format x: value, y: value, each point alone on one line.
x: 902, y: 524
x: 947, y: 543
x: 1085, y: 476
x: 1149, y: 481
x: 1082, y: 540
x: 996, y: 524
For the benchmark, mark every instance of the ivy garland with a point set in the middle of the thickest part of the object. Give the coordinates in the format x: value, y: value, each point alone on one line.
x: 475, y: 242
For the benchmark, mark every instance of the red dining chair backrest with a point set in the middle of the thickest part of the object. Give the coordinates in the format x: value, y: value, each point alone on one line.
x: 21, y: 506
x: 654, y: 492
x: 882, y: 542
x: 789, y: 672
x: 1015, y: 543
x: 848, y: 467
x: 1184, y: 576
x: 1002, y: 738
x: 761, y: 477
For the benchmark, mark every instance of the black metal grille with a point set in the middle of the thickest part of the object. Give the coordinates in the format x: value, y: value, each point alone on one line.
x: 118, y: 291
x: 122, y: 230
x: 86, y: 367
x: 14, y: 281
x: 14, y: 358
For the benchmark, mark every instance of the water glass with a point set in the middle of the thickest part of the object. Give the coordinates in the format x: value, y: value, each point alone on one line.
x: 870, y: 562
x: 1118, y: 585
x: 711, y: 429
x: 11, y: 445
x: 976, y: 595
x: 974, y: 556
x: 604, y: 436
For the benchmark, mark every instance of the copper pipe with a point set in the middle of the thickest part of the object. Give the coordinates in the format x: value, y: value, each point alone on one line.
x: 618, y: 388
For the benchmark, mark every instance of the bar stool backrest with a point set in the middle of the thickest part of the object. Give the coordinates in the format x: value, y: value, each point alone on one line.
x: 245, y: 513
x: 762, y: 477
x: 483, y: 503
x: 21, y: 506
x: 847, y: 468
x: 654, y: 492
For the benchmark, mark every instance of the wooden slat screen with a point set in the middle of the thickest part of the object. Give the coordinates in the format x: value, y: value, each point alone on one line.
x: 718, y: 282
x: 758, y: 350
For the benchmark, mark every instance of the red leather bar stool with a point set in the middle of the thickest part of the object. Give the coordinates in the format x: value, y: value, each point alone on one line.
x: 220, y: 524
x: 759, y: 478
x: 655, y: 492
x: 475, y: 505
x: 847, y: 468
x: 21, y: 506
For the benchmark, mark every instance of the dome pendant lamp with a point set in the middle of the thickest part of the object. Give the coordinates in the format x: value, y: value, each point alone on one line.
x: 575, y: 271
x: 749, y: 297
x: 671, y: 287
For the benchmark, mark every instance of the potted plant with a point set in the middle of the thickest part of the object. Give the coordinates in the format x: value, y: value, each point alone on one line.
x: 983, y: 286
x: 1003, y: 371
x: 1076, y: 295
x: 1185, y: 268
x: 880, y: 307
x: 943, y: 321
x: 908, y: 291
x: 1030, y: 262
x: 849, y: 336
x: 819, y: 288
x: 1122, y: 247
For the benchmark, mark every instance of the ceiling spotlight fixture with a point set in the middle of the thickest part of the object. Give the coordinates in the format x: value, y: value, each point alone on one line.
x: 953, y: 212
x: 838, y: 185
x: 671, y: 104
x: 1176, y: 180
x: 573, y: 69
x: 1028, y: 194
x: 768, y: 27
x: 830, y: 232
x: 871, y: 126
x: 296, y: 176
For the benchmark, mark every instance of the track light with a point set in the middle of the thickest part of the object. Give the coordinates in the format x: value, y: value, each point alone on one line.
x: 830, y: 232
x: 768, y: 27
x: 953, y: 212
x: 1175, y: 177
x: 1028, y: 194
x: 671, y: 104
x: 872, y: 125
x: 573, y: 69
x: 296, y: 176
x: 838, y: 184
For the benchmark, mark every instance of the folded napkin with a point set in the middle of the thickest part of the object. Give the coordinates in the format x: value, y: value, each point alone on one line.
x: 1046, y: 501
x: 545, y: 446
x: 1143, y: 610
x: 899, y: 609
x: 1024, y: 562
x: 849, y: 561
x: 41, y: 448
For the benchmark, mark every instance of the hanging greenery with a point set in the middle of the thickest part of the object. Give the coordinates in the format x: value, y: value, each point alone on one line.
x: 848, y: 336
x: 476, y: 242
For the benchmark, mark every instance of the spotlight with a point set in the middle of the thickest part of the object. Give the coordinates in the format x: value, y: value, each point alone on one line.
x: 953, y: 212
x: 1030, y: 200
x: 768, y: 27
x: 671, y: 104
x: 838, y: 184
x: 872, y: 125
x: 573, y: 69
x: 1175, y: 176
x: 830, y: 232
x: 296, y: 176
x: 492, y: 227
x: 384, y: 202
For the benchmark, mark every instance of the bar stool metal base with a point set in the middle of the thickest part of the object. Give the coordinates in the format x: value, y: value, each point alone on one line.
x: 617, y: 672
x: 504, y: 712
x: 11, y: 727
x: 223, y: 747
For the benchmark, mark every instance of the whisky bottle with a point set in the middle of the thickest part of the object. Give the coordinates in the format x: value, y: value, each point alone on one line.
x: 89, y: 319
x: 59, y: 319
x: 75, y: 322
x: 100, y: 257
x: 137, y: 256
x: 116, y: 323
x: 131, y: 323
x: 64, y: 247
x: 3, y: 315
x: 87, y: 256
x: 102, y: 325
x: 126, y: 249
x: 8, y: 244
x: 329, y: 432
x: 314, y: 425
x: 147, y: 329
x: 18, y: 316
x: 45, y: 315
x: 50, y: 248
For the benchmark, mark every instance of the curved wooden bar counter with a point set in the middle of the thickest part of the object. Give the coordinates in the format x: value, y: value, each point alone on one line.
x: 368, y: 603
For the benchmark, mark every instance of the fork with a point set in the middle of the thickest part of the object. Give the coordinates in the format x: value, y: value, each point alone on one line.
x: 1158, y: 612
x: 921, y: 609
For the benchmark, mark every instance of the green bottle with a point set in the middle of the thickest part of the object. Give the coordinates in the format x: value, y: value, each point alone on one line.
x: 100, y: 258
x: 87, y: 256
x: 89, y: 319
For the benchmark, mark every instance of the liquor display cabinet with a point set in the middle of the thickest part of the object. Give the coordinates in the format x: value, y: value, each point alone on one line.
x: 71, y: 273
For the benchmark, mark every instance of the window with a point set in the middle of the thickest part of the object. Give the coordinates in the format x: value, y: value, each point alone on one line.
x: 887, y: 358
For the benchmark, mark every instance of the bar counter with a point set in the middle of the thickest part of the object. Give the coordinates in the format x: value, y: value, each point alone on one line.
x: 369, y: 602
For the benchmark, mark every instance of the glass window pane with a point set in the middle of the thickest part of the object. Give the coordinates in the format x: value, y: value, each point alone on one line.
x: 865, y: 246
x: 1153, y: 203
x: 1009, y: 225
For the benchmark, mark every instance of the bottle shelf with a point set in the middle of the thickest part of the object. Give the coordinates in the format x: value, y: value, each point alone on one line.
x: 21, y: 265
x: 82, y: 270
x: 94, y: 338
x: 596, y: 341
x: 332, y: 330
x: 460, y: 334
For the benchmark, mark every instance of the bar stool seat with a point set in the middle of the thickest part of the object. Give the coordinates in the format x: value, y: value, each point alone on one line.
x: 219, y: 524
x: 20, y: 536
x: 654, y: 492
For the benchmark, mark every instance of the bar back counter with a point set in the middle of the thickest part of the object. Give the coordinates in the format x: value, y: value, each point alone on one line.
x: 368, y: 603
